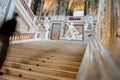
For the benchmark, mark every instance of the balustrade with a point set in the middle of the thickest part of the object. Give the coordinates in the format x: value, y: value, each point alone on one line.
x: 22, y: 36
x: 25, y: 36
x: 98, y: 63
x: 29, y: 12
x: 27, y: 9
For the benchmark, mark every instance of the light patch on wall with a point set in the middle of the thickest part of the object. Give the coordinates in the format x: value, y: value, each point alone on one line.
x: 21, y: 26
x: 78, y: 13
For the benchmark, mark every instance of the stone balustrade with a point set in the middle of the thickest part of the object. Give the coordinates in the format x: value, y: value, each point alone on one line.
x: 25, y: 37
x: 98, y: 63
x: 29, y: 11
x: 68, y: 18
x: 26, y: 13
x: 22, y: 36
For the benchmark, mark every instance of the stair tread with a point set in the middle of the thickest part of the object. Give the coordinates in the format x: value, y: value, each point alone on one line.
x: 34, y: 74
x: 71, y: 63
x: 11, y: 77
x: 44, y: 60
x: 39, y: 67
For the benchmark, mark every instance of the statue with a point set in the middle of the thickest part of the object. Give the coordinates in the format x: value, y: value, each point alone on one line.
x: 72, y: 32
x: 46, y: 26
x: 89, y: 24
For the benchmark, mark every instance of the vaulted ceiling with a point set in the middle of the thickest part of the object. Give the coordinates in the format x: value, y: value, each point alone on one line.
x: 76, y: 5
x: 49, y: 5
x: 73, y: 5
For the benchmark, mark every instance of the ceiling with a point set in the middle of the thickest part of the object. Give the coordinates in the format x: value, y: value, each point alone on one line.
x: 75, y: 5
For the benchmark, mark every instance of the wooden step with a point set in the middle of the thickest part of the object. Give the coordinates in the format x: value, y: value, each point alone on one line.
x: 35, y: 52
x: 66, y: 64
x: 44, y: 70
x: 40, y: 54
x: 44, y: 64
x: 32, y: 75
x: 44, y: 60
x: 55, y: 57
x: 11, y: 77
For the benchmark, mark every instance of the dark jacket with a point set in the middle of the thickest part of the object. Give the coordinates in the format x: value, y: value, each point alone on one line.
x: 8, y: 27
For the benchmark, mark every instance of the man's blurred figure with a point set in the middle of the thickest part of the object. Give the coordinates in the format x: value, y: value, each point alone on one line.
x: 6, y: 30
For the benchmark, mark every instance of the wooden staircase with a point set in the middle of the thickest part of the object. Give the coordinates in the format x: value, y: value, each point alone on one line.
x: 43, y: 60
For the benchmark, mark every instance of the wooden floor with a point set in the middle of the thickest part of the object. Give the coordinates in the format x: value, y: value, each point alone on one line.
x: 43, y: 60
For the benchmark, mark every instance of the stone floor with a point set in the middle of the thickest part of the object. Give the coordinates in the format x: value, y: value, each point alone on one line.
x: 44, y: 60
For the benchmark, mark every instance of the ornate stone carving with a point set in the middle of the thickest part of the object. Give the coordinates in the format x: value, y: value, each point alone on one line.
x: 72, y: 32
x: 89, y: 24
x: 45, y: 28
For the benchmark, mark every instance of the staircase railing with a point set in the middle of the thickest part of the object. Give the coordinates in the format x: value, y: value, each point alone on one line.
x: 27, y: 14
x: 25, y: 37
x: 98, y: 63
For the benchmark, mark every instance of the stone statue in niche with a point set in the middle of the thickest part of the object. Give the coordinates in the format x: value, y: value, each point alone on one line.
x: 72, y: 32
x: 46, y: 24
x: 46, y: 28
x: 89, y: 24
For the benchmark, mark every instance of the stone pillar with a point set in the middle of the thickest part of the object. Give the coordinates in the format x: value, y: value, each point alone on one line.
x: 41, y: 8
x: 119, y: 7
x: 64, y: 7
x: 115, y: 10
x: 61, y: 7
x: 92, y: 7
x: 85, y: 8
x: 88, y: 7
x: 57, y: 4
x: 67, y: 8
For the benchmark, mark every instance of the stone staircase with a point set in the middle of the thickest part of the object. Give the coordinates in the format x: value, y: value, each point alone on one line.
x: 43, y: 60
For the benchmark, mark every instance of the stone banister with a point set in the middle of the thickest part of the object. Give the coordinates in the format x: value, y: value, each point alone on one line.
x: 98, y: 63
x: 25, y: 37
x: 27, y: 14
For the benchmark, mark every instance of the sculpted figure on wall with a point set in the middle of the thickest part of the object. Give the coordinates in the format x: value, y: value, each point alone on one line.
x: 89, y: 24
x: 45, y: 28
x: 47, y: 24
x: 72, y: 32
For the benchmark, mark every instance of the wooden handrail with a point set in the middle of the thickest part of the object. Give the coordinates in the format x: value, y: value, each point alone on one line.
x: 98, y: 63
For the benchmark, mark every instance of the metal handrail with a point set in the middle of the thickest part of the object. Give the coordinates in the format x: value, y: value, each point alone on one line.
x: 98, y: 63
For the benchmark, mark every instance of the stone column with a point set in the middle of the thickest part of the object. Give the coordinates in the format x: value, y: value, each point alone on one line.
x: 64, y: 8
x: 92, y: 7
x: 88, y: 7
x: 109, y: 22
x: 85, y: 8
x: 41, y: 8
x: 115, y: 11
x: 56, y: 11
x: 119, y: 7
x: 66, y: 11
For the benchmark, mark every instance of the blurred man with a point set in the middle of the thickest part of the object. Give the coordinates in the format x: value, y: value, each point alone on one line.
x: 6, y: 30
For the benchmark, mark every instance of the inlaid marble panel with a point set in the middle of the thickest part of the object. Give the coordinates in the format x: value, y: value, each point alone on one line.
x: 55, y: 31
